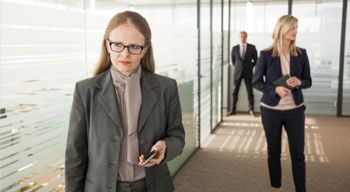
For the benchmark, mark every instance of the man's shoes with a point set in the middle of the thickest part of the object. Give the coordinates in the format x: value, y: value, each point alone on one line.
x: 231, y: 113
x: 251, y: 113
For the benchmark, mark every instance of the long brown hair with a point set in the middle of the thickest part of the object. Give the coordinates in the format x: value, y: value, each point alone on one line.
x: 283, y: 25
x: 147, y: 62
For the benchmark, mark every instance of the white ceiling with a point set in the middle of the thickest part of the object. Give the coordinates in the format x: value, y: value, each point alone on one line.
x: 179, y: 2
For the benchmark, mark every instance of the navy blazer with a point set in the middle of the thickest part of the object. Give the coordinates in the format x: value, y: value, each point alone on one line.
x: 268, y: 69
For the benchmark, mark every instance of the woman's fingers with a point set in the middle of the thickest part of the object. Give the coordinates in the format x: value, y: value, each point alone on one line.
x: 160, y: 148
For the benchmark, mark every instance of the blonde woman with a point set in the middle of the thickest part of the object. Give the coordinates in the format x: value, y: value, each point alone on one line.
x: 282, y: 103
x: 121, y: 114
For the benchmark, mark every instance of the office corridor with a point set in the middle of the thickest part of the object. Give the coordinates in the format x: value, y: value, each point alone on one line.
x: 234, y: 158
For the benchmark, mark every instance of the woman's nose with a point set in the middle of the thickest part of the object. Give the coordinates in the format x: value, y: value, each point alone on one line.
x: 125, y: 52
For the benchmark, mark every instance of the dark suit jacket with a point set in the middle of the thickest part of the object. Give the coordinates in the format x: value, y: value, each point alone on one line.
x: 95, y: 132
x: 268, y: 69
x: 244, y: 66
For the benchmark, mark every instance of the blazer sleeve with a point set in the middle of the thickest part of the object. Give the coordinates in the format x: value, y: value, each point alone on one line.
x: 255, y: 56
x: 233, y: 58
x: 76, y: 148
x: 306, y: 80
x: 175, y: 133
x: 259, y: 79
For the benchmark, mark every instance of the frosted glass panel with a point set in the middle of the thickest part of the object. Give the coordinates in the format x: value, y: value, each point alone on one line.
x: 175, y: 40
x: 346, y: 80
x: 42, y: 55
x: 205, y: 115
x: 317, y: 21
x: 216, y: 68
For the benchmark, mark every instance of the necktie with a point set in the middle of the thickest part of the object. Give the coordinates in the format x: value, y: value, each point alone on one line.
x: 243, y: 51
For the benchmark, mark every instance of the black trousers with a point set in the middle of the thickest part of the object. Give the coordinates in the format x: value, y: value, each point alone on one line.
x: 248, y: 84
x: 293, y: 122
x: 135, y: 186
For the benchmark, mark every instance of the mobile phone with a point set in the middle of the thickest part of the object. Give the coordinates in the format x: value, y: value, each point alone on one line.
x: 149, y: 156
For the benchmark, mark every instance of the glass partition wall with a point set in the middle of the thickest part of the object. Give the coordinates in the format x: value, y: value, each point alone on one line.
x: 205, y: 70
x: 175, y: 51
x: 41, y: 59
x: 317, y: 20
x: 216, y: 62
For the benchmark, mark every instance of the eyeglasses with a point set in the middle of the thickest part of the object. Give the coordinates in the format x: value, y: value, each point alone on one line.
x: 119, y: 47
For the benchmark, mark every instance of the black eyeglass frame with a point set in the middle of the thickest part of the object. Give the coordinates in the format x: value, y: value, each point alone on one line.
x: 125, y: 46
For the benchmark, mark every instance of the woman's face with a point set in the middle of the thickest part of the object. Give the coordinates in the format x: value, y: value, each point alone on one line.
x: 291, y: 35
x: 126, y: 59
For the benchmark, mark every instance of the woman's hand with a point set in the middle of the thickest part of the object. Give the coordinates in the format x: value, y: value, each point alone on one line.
x: 293, y: 82
x: 282, y: 91
x: 160, y: 149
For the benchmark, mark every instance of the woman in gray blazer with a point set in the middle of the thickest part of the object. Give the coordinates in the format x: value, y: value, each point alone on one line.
x: 121, y: 114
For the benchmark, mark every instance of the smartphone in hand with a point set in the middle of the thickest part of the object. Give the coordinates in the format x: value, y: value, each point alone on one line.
x: 148, y: 157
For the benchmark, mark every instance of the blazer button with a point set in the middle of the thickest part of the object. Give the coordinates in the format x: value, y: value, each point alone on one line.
x: 149, y: 188
x: 114, y: 139
x: 113, y: 163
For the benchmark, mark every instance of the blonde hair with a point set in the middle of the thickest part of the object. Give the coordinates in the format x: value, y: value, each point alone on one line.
x: 140, y: 23
x: 283, y: 25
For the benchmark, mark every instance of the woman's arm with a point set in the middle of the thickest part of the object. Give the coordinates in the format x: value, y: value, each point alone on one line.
x: 174, y: 141
x: 76, y: 150
x: 175, y: 133
x: 259, y: 82
x: 306, y: 80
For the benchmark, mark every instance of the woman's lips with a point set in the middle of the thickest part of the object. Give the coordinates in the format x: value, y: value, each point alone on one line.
x: 124, y: 62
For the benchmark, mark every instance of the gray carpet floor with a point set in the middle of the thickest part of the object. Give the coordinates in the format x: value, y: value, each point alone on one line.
x: 233, y: 159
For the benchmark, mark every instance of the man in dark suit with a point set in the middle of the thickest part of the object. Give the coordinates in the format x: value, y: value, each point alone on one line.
x: 244, y: 57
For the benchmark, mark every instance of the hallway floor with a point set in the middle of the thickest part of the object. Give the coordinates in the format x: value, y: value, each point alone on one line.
x: 234, y: 158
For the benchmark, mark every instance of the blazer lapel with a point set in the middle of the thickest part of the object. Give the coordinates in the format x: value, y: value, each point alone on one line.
x: 107, y: 97
x: 149, y: 97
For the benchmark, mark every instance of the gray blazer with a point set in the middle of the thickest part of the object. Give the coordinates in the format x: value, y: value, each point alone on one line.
x: 95, y: 132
